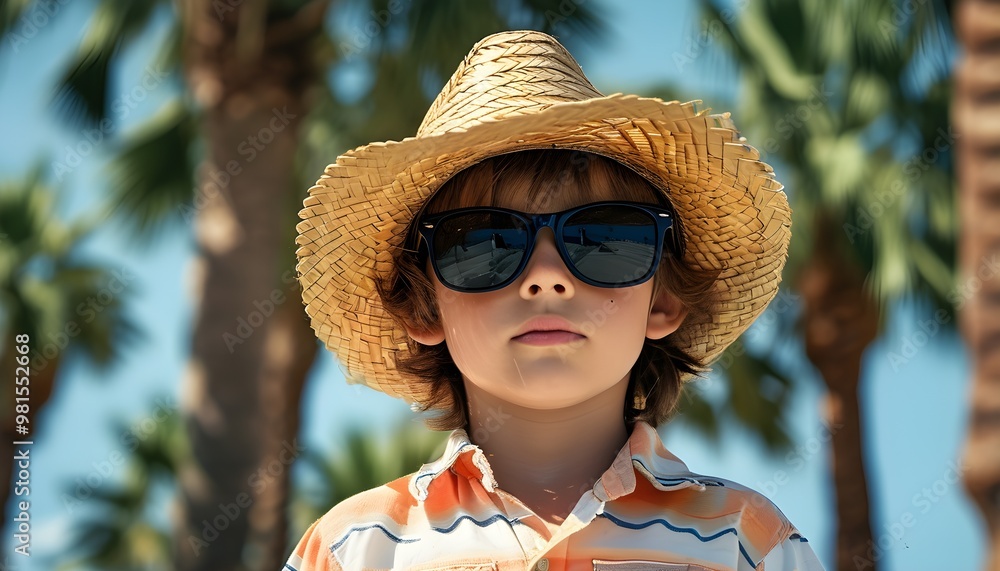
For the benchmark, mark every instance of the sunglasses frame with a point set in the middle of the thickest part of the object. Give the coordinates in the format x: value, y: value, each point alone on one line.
x: 663, y: 217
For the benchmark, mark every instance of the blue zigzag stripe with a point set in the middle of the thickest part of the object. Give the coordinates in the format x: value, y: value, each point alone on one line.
x: 378, y: 526
x: 679, y: 479
x: 692, y: 531
x: 484, y: 523
x: 449, y: 529
x: 287, y: 566
x: 695, y: 480
x: 798, y: 537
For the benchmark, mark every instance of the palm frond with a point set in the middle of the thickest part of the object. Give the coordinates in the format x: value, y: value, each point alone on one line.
x: 757, y: 399
x: 695, y: 410
x: 13, y: 15
x: 82, y: 93
x: 47, y: 291
x: 416, y: 48
x: 115, y: 534
x: 770, y: 52
x: 366, y: 461
x: 844, y: 154
x: 152, y: 178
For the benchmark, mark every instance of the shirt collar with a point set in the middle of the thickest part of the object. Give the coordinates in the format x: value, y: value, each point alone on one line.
x: 643, y: 453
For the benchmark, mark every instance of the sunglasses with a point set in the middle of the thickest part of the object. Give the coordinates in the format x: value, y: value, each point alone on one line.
x: 604, y: 244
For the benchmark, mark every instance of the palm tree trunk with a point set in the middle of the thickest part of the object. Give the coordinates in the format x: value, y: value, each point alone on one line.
x: 976, y: 113
x: 221, y: 405
x: 250, y: 72
x: 290, y: 350
x: 840, y: 321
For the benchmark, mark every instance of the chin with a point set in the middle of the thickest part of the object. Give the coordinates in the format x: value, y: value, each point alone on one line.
x: 540, y: 402
x: 552, y: 396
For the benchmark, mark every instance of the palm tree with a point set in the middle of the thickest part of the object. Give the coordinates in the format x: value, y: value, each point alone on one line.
x: 57, y: 301
x: 252, y: 76
x: 119, y: 535
x: 838, y: 92
x: 975, y: 114
x: 758, y: 389
x: 250, y: 71
x: 367, y: 461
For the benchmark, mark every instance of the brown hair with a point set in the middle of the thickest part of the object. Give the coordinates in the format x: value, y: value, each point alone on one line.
x: 536, y: 177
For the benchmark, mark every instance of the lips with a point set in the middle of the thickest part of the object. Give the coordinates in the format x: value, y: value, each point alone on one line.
x: 548, y: 328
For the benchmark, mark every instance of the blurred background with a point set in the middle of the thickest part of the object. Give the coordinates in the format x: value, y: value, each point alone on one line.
x: 182, y: 413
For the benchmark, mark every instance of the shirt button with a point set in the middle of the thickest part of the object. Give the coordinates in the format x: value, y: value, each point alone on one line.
x: 542, y: 565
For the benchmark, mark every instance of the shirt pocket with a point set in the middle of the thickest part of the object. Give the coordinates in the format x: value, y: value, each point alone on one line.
x: 637, y: 565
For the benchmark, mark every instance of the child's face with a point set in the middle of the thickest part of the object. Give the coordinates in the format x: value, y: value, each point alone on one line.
x: 553, y: 370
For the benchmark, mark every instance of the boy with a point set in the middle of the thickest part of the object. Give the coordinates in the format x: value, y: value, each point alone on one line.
x: 543, y: 267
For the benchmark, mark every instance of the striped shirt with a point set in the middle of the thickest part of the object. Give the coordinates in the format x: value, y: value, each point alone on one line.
x: 647, y: 511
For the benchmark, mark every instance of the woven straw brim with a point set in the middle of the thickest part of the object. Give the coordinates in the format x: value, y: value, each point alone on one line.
x: 732, y: 210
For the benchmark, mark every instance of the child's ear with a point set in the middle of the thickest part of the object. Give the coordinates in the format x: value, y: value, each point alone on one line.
x: 427, y: 337
x: 665, y: 316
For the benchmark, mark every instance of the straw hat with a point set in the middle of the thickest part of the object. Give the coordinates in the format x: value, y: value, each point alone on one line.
x: 517, y: 91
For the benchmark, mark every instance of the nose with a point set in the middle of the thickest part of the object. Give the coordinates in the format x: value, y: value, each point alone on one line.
x: 546, y: 273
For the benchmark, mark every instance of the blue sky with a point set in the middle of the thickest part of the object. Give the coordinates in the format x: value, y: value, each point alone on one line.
x: 914, y: 412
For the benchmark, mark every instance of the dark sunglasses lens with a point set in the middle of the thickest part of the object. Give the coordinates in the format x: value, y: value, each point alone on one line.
x: 479, y: 250
x: 611, y: 245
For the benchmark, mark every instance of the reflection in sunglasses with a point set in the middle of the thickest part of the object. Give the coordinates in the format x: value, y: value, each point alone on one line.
x: 603, y: 244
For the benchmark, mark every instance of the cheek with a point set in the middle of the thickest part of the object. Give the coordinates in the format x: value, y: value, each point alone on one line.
x: 627, y: 313
x: 466, y: 322
x: 461, y: 318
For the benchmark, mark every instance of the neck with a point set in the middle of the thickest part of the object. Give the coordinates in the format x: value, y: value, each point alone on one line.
x: 548, y: 458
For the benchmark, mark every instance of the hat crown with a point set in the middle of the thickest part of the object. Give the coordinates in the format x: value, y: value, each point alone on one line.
x: 507, y: 74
